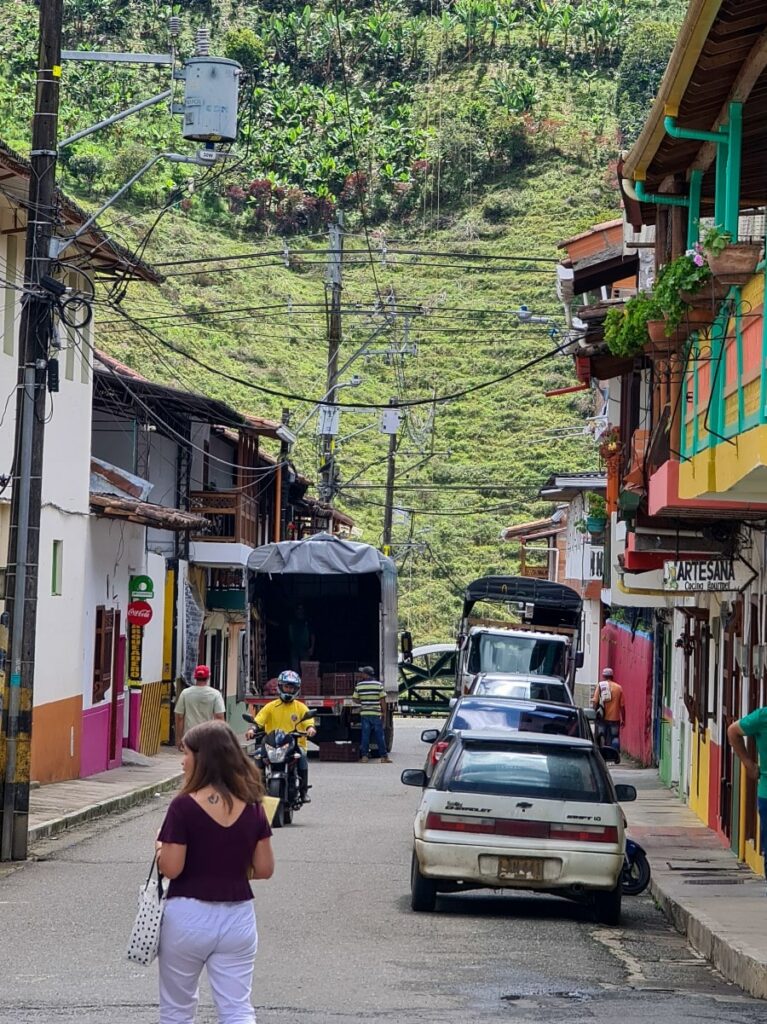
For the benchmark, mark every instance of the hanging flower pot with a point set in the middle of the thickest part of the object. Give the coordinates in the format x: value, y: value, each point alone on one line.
x: 662, y: 344
x: 712, y: 294
x: 596, y: 524
x: 736, y: 262
x: 699, y: 318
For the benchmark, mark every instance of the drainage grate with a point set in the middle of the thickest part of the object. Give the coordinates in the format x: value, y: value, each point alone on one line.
x: 715, y: 881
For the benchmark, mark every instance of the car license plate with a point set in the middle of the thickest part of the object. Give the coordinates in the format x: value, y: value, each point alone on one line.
x: 524, y: 869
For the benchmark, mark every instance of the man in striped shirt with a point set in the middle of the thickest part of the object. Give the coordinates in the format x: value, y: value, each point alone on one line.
x: 372, y: 699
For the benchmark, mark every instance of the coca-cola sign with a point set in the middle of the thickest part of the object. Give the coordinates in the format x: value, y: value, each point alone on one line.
x: 139, y: 613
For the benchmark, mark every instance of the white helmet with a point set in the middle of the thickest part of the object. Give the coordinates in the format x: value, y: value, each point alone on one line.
x: 288, y: 685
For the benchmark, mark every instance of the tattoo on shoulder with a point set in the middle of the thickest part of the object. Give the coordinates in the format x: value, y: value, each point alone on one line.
x: 214, y: 798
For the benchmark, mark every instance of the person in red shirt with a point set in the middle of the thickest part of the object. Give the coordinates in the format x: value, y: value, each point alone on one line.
x: 610, y: 707
x: 215, y: 838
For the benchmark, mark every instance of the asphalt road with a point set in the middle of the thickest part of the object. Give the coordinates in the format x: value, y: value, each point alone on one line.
x: 338, y: 940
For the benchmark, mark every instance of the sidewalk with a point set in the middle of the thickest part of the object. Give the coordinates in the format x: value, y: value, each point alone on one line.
x: 715, y: 901
x: 61, y: 805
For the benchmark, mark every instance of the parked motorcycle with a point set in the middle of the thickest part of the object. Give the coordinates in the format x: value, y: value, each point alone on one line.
x: 277, y: 755
x: 635, y: 876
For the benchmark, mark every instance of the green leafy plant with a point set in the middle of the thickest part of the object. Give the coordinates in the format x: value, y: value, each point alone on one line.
x: 625, y: 329
x: 596, y: 505
x: 716, y: 241
x: 687, y: 273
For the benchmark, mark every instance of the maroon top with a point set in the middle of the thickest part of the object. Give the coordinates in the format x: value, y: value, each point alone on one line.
x: 217, y: 856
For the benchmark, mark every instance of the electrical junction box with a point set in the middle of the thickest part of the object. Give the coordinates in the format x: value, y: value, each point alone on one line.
x: 390, y: 421
x: 210, y: 99
x: 328, y: 420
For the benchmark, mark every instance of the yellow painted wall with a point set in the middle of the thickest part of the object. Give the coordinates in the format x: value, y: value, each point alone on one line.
x: 749, y: 851
x: 701, y: 762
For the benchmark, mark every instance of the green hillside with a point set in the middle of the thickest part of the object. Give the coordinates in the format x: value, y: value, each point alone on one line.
x: 461, y: 140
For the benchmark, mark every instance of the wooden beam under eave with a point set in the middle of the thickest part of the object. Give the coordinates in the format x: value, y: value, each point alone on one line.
x: 749, y: 74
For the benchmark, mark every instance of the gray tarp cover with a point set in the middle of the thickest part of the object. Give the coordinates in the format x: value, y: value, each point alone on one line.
x: 318, y: 554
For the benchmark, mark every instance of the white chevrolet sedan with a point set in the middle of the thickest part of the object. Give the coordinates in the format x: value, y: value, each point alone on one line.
x: 523, y: 812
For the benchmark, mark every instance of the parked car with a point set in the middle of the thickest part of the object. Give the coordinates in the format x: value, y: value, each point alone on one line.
x: 523, y: 812
x: 504, y: 714
x: 523, y: 687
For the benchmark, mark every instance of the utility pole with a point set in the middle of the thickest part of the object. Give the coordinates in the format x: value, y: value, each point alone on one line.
x: 329, y: 415
x: 389, y: 501
x: 34, y: 339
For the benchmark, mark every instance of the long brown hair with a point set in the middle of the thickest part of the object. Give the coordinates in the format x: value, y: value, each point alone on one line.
x: 219, y: 761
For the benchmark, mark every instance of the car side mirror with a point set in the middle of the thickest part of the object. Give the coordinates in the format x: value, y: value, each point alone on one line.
x: 414, y: 777
x: 452, y: 702
x: 626, y: 794
x: 610, y: 756
x: 579, y: 659
x: 429, y: 735
x: 591, y: 714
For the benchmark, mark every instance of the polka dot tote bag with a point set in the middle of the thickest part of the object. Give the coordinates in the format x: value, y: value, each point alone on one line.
x: 145, y: 937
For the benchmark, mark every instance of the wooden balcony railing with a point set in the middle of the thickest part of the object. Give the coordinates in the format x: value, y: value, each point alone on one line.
x: 232, y: 515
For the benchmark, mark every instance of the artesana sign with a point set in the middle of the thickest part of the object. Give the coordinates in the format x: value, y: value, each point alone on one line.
x: 719, y: 574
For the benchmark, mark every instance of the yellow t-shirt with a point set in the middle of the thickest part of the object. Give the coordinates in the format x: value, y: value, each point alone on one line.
x: 279, y: 715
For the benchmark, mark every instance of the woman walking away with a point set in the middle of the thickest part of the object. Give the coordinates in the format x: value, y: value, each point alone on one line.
x: 214, y: 838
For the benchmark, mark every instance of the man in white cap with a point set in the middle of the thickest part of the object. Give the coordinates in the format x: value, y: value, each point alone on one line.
x: 611, y: 710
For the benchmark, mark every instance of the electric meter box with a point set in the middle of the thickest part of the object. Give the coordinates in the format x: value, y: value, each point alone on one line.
x: 210, y: 100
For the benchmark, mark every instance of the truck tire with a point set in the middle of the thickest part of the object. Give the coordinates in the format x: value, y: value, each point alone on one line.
x: 423, y: 892
x: 607, y: 905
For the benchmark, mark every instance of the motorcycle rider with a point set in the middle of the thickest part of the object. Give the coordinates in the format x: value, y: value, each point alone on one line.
x: 285, y: 713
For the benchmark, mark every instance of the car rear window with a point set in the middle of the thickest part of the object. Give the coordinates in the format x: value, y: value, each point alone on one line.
x: 531, y: 770
x: 555, y: 692
x: 557, y: 723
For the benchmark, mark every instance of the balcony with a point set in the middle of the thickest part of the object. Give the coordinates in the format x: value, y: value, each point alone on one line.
x: 232, y: 516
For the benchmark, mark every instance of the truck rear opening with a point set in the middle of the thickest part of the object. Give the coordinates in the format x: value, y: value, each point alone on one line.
x: 341, y: 616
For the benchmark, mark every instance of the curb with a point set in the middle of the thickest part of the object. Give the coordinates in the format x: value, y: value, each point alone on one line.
x: 729, y: 956
x: 113, y: 805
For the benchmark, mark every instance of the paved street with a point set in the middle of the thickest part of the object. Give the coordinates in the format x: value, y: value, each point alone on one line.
x: 335, y: 921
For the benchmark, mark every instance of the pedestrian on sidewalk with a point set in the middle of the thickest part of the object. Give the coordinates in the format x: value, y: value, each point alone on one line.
x: 371, y: 696
x: 197, y: 704
x: 754, y: 725
x: 214, y: 838
x: 610, y: 709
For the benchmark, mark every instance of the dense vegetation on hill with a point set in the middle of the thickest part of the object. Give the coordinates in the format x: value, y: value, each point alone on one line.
x: 461, y: 139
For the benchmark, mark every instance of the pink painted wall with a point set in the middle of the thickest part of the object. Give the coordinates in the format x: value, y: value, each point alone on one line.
x: 94, y: 744
x: 631, y: 659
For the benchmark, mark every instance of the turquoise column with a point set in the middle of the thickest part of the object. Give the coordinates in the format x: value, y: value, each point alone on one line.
x: 720, y: 186
x: 734, y: 156
x: 693, y: 212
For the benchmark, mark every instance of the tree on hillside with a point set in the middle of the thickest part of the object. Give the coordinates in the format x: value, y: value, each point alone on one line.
x: 645, y: 56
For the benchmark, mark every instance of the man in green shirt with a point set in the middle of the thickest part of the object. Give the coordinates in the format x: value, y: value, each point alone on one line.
x: 371, y: 696
x: 754, y: 725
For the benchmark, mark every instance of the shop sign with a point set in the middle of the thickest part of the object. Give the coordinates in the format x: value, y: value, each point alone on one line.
x: 135, y: 650
x: 139, y: 613
x: 141, y: 588
x: 690, y: 575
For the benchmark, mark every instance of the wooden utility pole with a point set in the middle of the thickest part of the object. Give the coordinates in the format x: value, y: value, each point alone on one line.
x: 34, y: 341
x: 389, y: 500
x: 335, y: 259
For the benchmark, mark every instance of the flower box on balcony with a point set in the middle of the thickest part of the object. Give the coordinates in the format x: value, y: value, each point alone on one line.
x: 662, y: 344
x: 736, y: 262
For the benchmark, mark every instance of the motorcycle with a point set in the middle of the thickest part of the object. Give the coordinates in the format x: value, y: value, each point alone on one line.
x: 277, y: 755
x: 635, y: 876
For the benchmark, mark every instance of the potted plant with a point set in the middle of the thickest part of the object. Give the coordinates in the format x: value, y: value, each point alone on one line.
x: 625, y: 330
x: 596, y: 513
x: 731, y: 262
x: 678, y: 285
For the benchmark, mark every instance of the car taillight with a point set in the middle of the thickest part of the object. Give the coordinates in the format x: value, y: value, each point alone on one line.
x: 585, y: 833
x: 437, y: 750
x: 521, y: 828
x: 460, y: 823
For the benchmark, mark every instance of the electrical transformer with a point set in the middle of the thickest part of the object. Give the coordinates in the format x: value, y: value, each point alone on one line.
x: 210, y: 101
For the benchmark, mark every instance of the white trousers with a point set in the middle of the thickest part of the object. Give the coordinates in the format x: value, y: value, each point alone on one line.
x: 219, y: 936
